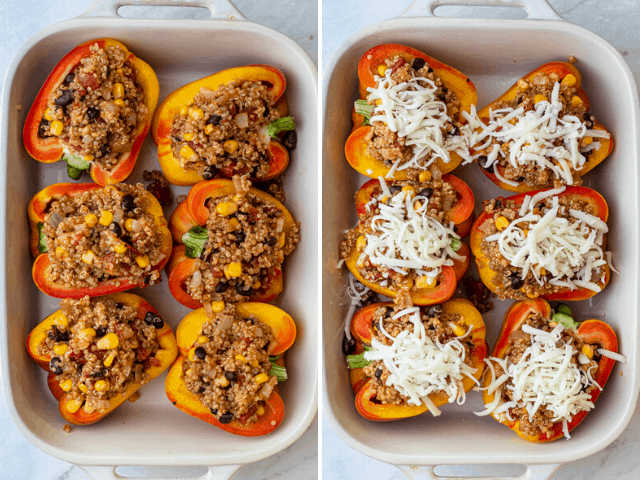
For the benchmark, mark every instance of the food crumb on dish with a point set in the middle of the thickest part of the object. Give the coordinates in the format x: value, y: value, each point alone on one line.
x: 135, y: 396
x: 66, y: 428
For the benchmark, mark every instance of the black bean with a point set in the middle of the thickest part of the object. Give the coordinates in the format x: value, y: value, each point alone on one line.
x: 69, y: 78
x: 105, y: 149
x: 66, y: 98
x: 266, y: 111
x: 426, y: 192
x: 434, y: 310
x: 214, y: 411
x: 454, y: 131
x: 115, y: 228
x: 55, y: 365
x: 290, y: 139
x: 226, y: 418
x: 521, y: 178
x: 515, y: 281
x: 348, y: 345
x: 210, y: 172
x: 417, y: 63
x: 222, y: 287
x: 148, y: 318
x: 200, y: 352
x: 445, y: 90
x: 214, y: 119
x: 240, y: 236
x: 395, y: 189
x: 201, y: 389
x: 586, y: 118
x: 482, y: 161
x: 43, y: 128
x: 242, y: 291
x: 429, y: 69
x: 101, y: 331
x: 92, y: 113
x: 119, y: 306
x: 378, y: 373
x: 100, y: 373
x: 497, y: 203
x: 79, y: 369
x: 128, y: 202
x: 158, y: 322
x: 231, y: 376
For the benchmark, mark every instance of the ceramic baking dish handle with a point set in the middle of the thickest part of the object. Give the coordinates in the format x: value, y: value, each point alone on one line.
x: 220, y: 472
x: 536, y: 9
x: 534, y: 472
x: 220, y: 9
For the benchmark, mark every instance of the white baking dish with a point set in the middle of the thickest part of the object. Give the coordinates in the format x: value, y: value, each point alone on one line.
x: 152, y: 431
x: 493, y: 53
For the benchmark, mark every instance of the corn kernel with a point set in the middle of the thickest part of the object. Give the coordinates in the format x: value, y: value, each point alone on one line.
x: 382, y: 69
x: 56, y: 128
x: 523, y: 85
x: 569, y: 80
x: 102, y: 385
x: 233, y: 270
x: 203, y: 339
x: 109, y: 360
x: 458, y: 330
x: 88, y: 158
x: 234, y: 223
x: 89, y: 408
x: 184, y: 110
x: 256, y: 285
x: 119, y: 102
x: 66, y: 385
x: 142, y: 260
x: 543, y: 271
x: 260, y: 410
x: 361, y: 243
x: 230, y: 146
x: 417, y: 205
x: 553, y: 324
x: 128, y: 224
x: 48, y: 114
x: 425, y: 282
x: 83, y: 388
x: 209, y: 129
x: 540, y: 98
x: 526, y: 232
x: 87, y: 333
x: 192, y: 355
x: 227, y: 208
x: 217, y: 306
x: 60, y: 348
x: 88, y: 257
x: 261, y: 378
x: 409, y: 191
x: 254, y: 363
x: 188, y: 372
x: 384, y: 199
x: 188, y: 136
x: 241, y: 358
x: 108, y: 342
x: 106, y: 217
x: 120, y: 248
x: 120, y: 72
x: 118, y: 90
x: 575, y: 101
x: 586, y: 141
x: 91, y: 220
x: 74, y: 405
x: 588, y: 351
x: 408, y: 282
x: 502, y: 223
x: 61, y: 321
x: 223, y: 382
x: 61, y: 252
x: 187, y: 152
x: 532, y: 294
x: 424, y: 176
x: 196, y: 114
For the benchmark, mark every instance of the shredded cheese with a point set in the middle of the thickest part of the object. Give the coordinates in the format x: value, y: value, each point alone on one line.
x: 356, y: 292
x: 418, y: 366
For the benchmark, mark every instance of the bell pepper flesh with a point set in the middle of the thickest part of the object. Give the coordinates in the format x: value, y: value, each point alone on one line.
x: 561, y: 69
x: 166, y: 353
x: 50, y: 149
x: 589, y: 331
x: 190, y: 328
x: 600, y: 210
x: 37, y: 211
x: 362, y: 331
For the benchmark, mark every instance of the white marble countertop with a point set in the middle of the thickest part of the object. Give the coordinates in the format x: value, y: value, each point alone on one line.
x: 618, y: 22
x: 18, y: 22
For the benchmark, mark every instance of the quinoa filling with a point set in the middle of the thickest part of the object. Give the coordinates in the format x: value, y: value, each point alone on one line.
x: 223, y: 132
x: 98, y: 348
x: 104, y: 234
x: 97, y: 109
x: 246, y: 243
x: 228, y: 368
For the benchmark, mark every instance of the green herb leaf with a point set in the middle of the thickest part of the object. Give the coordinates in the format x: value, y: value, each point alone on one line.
x: 565, y: 320
x: 563, y: 308
x: 358, y: 361
x: 194, y: 240
x: 364, y: 109
x: 42, y: 240
x: 456, y: 243
x: 73, y: 172
x: 277, y: 370
x: 280, y: 125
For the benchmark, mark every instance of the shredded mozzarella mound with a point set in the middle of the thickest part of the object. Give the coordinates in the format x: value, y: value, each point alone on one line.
x: 414, y: 112
x: 570, y: 250
x: 418, y: 367
x: 404, y: 238
x: 545, y: 376
x: 356, y: 291
x: 531, y: 137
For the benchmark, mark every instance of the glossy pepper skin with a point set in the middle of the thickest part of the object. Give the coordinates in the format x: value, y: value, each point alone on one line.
x: 163, y: 120
x: 50, y: 149
x: 356, y: 147
x: 193, y: 212
x: 364, y: 387
x: 449, y: 277
x: 600, y: 210
x: 190, y: 328
x: 37, y: 210
x: 562, y: 69
x: 166, y: 353
x: 589, y: 331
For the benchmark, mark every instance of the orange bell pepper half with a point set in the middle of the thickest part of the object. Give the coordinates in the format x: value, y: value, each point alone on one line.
x: 37, y: 211
x: 362, y: 330
x: 356, y: 149
x: 584, y: 194
x: 50, y: 149
x: 163, y: 120
x: 589, y: 331
x: 166, y: 353
x: 190, y: 328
